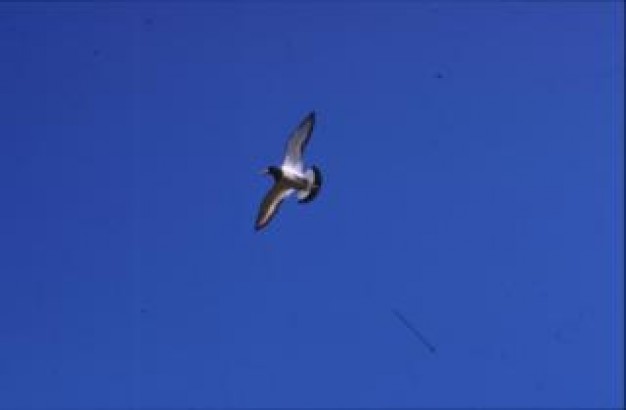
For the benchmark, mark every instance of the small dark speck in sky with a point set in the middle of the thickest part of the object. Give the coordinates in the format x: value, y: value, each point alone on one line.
x: 560, y: 336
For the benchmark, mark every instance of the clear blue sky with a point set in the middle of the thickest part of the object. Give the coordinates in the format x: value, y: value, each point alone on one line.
x: 473, y: 159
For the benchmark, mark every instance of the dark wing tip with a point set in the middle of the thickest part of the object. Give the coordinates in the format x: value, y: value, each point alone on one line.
x: 269, y: 206
x: 259, y: 224
x: 310, y: 117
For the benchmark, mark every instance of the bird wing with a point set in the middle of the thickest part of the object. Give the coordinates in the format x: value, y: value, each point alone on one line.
x: 271, y: 203
x: 297, y: 143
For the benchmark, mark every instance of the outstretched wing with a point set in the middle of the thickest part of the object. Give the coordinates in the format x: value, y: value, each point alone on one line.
x: 271, y: 203
x: 297, y: 143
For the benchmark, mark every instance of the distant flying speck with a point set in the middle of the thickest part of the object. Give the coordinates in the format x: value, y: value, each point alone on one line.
x: 291, y: 176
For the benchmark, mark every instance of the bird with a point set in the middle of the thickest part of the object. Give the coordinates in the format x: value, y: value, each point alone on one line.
x: 291, y: 177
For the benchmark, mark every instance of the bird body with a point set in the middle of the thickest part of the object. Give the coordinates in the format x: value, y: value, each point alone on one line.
x: 291, y: 176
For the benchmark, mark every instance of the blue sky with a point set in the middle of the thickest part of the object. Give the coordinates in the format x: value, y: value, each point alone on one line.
x: 473, y: 181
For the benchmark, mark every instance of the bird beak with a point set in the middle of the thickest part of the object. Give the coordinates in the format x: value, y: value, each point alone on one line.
x: 263, y: 171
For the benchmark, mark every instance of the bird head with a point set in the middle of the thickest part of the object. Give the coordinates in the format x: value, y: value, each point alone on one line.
x: 275, y: 172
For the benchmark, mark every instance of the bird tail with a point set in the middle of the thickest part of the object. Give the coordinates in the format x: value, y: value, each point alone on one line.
x: 314, y: 176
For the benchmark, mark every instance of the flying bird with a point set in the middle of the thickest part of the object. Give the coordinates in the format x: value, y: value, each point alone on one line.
x: 291, y: 177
